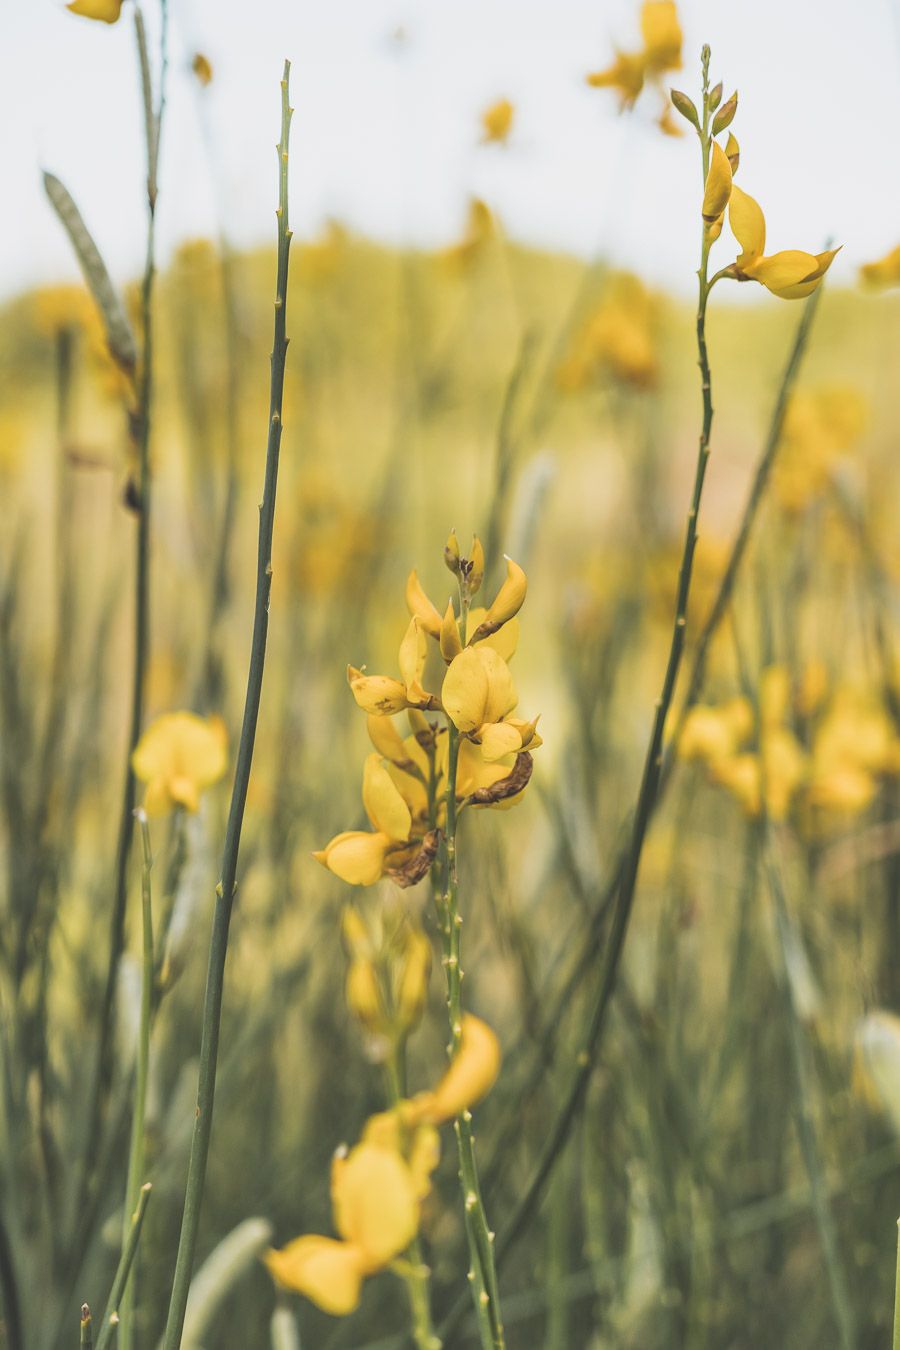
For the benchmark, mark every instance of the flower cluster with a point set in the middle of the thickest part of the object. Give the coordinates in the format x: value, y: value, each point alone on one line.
x: 791, y: 274
x: 405, y: 779
x: 377, y: 1188
x: 816, y: 755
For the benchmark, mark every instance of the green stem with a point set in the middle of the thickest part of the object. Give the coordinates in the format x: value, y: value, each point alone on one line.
x: 212, y: 1008
x: 136, y: 1149
x: 483, y: 1275
x: 896, y: 1337
x: 110, y: 1321
x: 86, y: 1339
x: 413, y: 1270
x: 139, y: 420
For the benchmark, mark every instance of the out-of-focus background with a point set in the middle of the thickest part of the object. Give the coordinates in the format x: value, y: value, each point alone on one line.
x: 496, y: 335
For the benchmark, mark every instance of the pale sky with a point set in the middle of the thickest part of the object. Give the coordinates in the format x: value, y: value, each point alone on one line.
x: 385, y: 133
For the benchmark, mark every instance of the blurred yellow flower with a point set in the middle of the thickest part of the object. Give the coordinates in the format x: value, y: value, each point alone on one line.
x: 496, y: 122
x: 819, y: 427
x: 876, y: 1063
x: 660, y: 52
x: 618, y: 340
x: 470, y: 1077
x: 884, y: 272
x: 480, y: 229
x: 202, y: 68
x: 713, y: 733
x: 178, y: 756
x: 376, y: 1211
x: 106, y: 10
x: 791, y: 274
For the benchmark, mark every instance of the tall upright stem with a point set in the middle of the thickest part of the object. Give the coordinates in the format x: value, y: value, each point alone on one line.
x: 212, y: 1008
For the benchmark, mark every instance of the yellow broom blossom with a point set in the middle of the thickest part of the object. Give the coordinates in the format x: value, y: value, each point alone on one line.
x: 108, y: 11
x: 178, y: 756
x: 791, y: 274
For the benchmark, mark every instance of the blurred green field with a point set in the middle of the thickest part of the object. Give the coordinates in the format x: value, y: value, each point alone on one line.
x: 472, y: 389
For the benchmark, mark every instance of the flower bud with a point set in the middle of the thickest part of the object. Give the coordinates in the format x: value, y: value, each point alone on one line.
x: 733, y: 152
x: 451, y: 553
x: 450, y: 643
x: 715, y: 97
x: 421, y: 607
x: 412, y: 986
x: 685, y: 106
x: 725, y: 116
x: 364, y: 995
x: 507, y: 602
x: 475, y: 573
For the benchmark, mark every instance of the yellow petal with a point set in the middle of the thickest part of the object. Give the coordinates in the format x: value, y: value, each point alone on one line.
x: 718, y: 184
x: 470, y: 1076
x: 809, y: 284
x: 328, y: 1272
x: 375, y: 1205
x: 183, y: 790
x: 748, y: 225
x: 510, y: 597
x: 450, y: 643
x: 497, y: 121
x: 884, y: 272
x: 412, y: 655
x: 499, y: 739
x: 386, y: 738
x: 355, y: 856
x: 478, y: 688
x: 733, y: 151
x: 504, y: 641
x: 662, y: 35
x: 783, y: 272
x: 377, y: 694
x: 106, y: 10
x: 625, y: 75
x: 157, y: 801
x: 421, y: 607
x: 384, y: 805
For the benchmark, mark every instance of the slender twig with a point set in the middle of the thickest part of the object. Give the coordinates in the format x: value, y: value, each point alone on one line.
x: 86, y: 1339
x: 9, y: 1291
x: 139, y: 498
x: 142, y: 1069
x: 895, y: 1342
x: 212, y: 1008
x: 110, y: 1323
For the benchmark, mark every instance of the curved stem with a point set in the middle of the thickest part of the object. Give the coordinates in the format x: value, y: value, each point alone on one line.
x: 212, y: 1008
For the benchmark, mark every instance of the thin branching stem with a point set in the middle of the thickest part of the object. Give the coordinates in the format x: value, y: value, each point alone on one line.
x: 212, y: 1008
x: 110, y: 1323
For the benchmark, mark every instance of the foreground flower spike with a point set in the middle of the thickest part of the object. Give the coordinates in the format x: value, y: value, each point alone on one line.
x: 178, y: 756
x: 884, y: 272
x: 791, y: 274
x: 496, y: 122
x: 108, y: 11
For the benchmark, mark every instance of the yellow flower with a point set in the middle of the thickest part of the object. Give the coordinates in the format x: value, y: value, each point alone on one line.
x: 661, y: 51
x: 202, y: 68
x: 719, y: 187
x: 480, y: 228
x: 478, y: 688
x: 884, y: 272
x: 178, y: 756
x: 791, y: 274
x: 106, y: 10
x: 618, y: 339
x: 662, y: 35
x: 496, y: 122
x: 471, y: 1075
x: 713, y: 733
x: 819, y: 427
x: 383, y: 695
x: 360, y: 857
x: 376, y: 1211
x: 625, y: 76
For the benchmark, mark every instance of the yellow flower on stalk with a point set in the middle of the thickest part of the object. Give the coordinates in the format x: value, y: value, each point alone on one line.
x: 107, y: 11
x: 376, y: 1211
x: 884, y: 272
x: 178, y: 756
x: 383, y: 695
x: 718, y: 190
x: 378, y: 1187
x: 496, y: 122
x: 711, y: 734
x: 625, y: 76
x: 361, y: 857
x: 618, y: 340
x: 791, y: 274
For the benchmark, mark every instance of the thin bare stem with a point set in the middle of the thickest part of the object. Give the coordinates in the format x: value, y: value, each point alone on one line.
x: 212, y: 1008
x: 110, y: 1323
